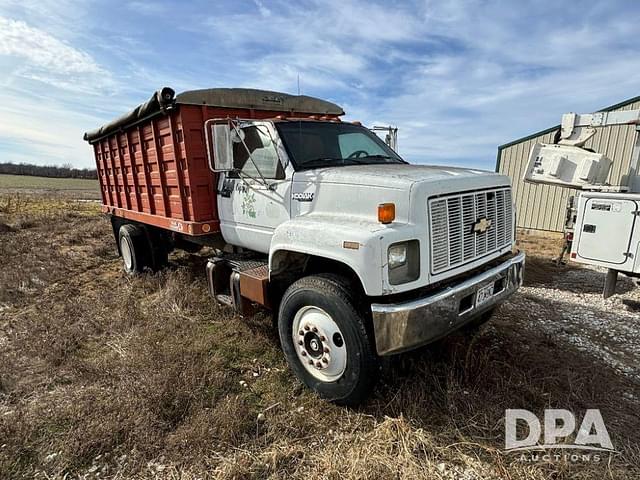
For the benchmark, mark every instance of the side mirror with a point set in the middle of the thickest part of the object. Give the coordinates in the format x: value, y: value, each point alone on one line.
x: 219, y: 138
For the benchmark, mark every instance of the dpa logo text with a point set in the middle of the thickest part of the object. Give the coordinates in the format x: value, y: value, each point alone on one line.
x: 558, y: 425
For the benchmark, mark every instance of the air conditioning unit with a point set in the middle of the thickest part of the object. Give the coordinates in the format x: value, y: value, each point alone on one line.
x: 567, y: 166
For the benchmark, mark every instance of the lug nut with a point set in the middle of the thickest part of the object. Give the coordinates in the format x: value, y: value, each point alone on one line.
x: 323, y: 338
x: 306, y: 327
x: 300, y: 342
x: 301, y: 332
x: 318, y: 364
x: 326, y: 349
x: 325, y: 360
x: 315, y: 329
x: 303, y: 353
x: 310, y: 362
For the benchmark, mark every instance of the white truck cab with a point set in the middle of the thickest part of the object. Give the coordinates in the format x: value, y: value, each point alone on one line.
x: 364, y: 254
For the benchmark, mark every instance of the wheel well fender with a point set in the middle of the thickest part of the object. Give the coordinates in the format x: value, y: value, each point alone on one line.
x: 286, y: 266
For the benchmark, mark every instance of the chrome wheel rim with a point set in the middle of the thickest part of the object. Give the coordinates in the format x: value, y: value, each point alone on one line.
x: 127, y: 255
x: 319, y: 344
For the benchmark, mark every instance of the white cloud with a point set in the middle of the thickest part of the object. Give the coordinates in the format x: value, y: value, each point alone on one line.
x: 47, y: 59
x: 46, y: 84
x: 264, y: 11
x: 42, y: 50
x: 507, y: 72
x: 43, y: 132
x: 147, y: 8
x: 326, y: 43
x: 457, y: 77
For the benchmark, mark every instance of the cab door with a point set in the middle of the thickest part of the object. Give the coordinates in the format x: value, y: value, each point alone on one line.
x: 255, y: 197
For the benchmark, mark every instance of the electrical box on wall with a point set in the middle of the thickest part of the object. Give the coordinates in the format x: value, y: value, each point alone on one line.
x: 567, y: 166
x: 607, y: 231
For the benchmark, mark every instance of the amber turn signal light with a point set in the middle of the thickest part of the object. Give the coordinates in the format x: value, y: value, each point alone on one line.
x: 386, y: 212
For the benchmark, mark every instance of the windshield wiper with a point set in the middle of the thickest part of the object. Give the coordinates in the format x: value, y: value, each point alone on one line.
x: 321, y: 162
x: 384, y: 157
x: 331, y: 161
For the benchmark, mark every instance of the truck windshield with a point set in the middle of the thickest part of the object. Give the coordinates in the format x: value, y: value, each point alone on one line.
x: 327, y: 144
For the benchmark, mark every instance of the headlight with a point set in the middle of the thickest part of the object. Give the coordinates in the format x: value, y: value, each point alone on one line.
x: 397, y: 255
x: 403, y: 260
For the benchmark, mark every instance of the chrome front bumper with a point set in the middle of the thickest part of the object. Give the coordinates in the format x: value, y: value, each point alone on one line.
x: 400, y: 327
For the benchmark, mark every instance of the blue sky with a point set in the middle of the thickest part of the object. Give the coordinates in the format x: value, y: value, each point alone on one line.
x: 457, y: 77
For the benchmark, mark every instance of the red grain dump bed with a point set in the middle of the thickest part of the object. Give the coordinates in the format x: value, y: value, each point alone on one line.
x: 152, y: 162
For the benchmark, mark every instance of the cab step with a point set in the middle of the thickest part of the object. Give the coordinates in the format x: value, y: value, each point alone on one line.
x: 239, y: 281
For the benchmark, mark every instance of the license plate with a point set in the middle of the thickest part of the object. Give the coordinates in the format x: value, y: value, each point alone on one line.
x: 484, y: 294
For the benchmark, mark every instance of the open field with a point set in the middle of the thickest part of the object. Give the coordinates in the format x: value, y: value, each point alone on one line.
x: 108, y: 376
x: 71, y: 186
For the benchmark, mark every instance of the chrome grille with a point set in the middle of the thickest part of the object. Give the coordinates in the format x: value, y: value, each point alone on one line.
x: 452, y: 219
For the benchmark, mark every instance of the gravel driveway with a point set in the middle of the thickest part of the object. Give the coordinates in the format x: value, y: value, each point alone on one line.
x: 566, y: 302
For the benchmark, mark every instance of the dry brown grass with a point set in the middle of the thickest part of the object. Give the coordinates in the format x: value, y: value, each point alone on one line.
x: 539, y: 243
x: 541, y: 248
x: 102, y: 375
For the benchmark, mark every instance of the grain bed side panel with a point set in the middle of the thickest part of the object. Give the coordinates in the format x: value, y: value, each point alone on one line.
x: 200, y: 180
x: 156, y: 169
x: 157, y: 172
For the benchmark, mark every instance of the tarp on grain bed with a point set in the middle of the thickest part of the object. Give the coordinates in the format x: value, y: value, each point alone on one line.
x: 164, y: 100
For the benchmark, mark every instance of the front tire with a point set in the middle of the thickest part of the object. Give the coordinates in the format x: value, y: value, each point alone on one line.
x: 324, y: 336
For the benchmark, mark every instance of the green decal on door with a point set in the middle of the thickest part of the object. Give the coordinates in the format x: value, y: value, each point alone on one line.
x: 248, y: 204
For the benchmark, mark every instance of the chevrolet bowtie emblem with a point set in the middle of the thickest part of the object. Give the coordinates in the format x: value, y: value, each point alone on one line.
x: 482, y: 225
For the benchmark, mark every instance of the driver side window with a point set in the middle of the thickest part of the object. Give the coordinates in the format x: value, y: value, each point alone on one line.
x: 263, y: 153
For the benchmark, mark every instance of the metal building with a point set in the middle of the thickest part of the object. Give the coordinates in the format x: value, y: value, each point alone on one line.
x: 543, y: 207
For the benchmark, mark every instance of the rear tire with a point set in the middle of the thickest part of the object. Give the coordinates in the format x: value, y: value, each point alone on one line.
x: 134, y: 248
x: 324, y: 336
x: 158, y: 249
